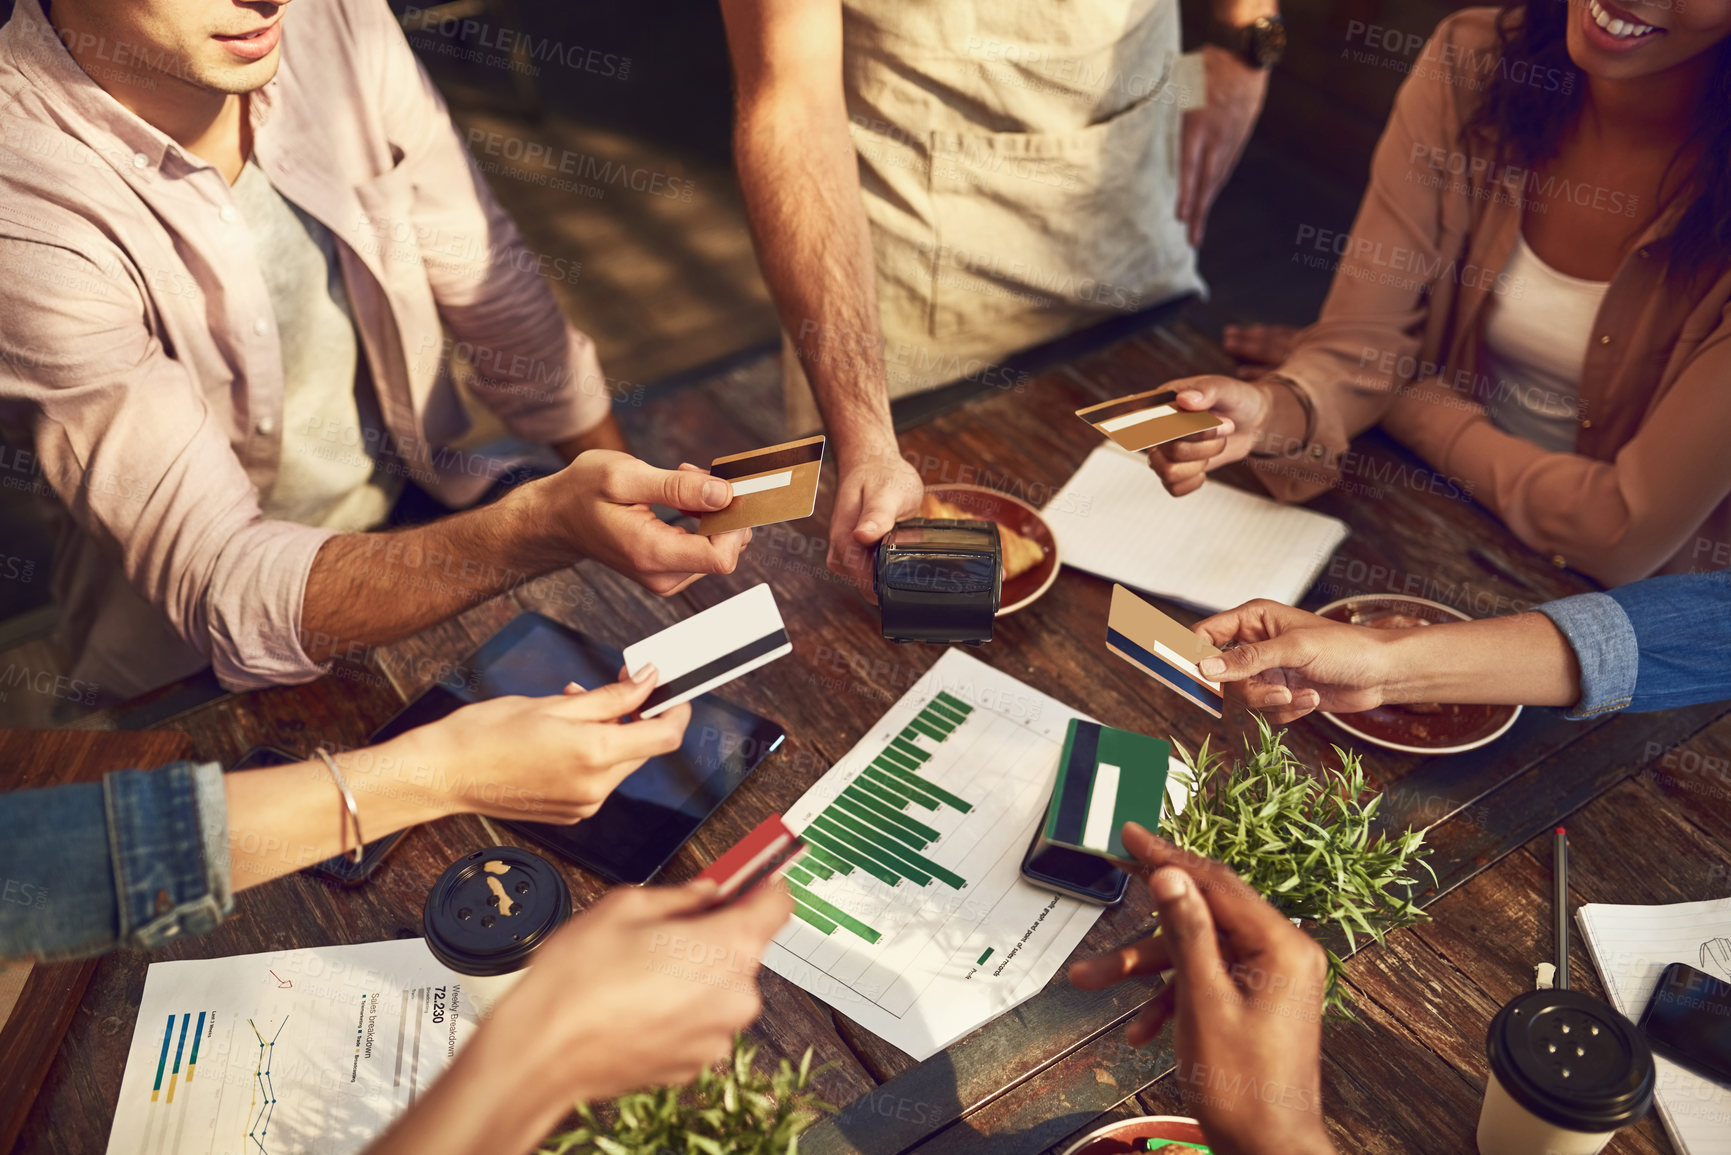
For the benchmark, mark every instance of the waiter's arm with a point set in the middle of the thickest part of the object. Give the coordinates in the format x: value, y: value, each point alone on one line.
x: 800, y: 176
x: 1215, y: 134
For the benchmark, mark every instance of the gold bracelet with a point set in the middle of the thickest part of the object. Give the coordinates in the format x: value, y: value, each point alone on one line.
x: 1302, y: 396
x: 349, y: 811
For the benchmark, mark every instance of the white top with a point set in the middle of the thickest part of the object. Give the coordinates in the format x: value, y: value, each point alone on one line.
x: 1535, y: 347
x: 330, y: 472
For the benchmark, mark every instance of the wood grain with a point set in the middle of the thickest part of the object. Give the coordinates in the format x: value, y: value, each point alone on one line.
x: 1039, y: 1075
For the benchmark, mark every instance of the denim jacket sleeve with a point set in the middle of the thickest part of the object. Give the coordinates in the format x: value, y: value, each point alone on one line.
x: 131, y: 861
x: 1656, y: 644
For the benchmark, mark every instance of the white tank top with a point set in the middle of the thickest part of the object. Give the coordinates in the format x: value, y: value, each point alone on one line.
x: 1534, y: 348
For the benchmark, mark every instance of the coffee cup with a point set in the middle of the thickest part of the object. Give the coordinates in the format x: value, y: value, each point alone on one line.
x: 488, y: 914
x: 1567, y: 1072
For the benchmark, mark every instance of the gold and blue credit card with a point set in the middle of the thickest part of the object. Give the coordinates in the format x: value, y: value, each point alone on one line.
x: 1162, y: 648
x: 1106, y: 777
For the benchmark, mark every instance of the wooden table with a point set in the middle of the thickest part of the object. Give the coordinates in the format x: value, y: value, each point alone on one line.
x: 1035, y: 1076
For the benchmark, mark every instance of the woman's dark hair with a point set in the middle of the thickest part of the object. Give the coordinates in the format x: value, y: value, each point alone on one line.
x: 1525, y: 125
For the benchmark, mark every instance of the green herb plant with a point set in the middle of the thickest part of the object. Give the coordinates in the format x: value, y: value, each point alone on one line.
x: 1303, y: 840
x: 730, y: 1109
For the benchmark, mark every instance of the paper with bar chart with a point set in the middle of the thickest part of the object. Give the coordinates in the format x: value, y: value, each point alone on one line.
x: 912, y: 916
x: 307, y: 1051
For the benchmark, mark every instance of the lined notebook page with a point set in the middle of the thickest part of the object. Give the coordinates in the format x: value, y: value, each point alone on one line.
x: 1630, y: 946
x: 1214, y: 549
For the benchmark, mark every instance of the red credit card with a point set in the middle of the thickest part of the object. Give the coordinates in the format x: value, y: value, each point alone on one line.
x: 756, y: 857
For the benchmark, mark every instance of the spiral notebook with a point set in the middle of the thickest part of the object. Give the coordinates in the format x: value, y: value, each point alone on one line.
x: 1630, y: 946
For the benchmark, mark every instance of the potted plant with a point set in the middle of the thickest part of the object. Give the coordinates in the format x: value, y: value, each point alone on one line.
x: 731, y: 1109
x: 1304, y: 841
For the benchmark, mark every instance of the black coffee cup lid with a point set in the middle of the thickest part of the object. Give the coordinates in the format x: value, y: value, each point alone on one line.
x: 491, y: 909
x: 1571, y: 1060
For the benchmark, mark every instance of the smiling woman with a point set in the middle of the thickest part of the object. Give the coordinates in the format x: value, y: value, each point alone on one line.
x: 1533, y: 297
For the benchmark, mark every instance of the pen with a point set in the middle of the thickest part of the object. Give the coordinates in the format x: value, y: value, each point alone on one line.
x: 1560, y: 904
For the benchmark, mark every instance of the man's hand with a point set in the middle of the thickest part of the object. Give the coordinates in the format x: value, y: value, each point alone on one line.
x: 1214, y: 135
x: 602, y: 503
x: 1247, y: 997
x: 1244, y: 407
x: 871, y: 497
x: 1289, y: 662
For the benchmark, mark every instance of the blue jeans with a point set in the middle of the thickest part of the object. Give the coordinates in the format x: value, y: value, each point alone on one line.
x: 133, y: 860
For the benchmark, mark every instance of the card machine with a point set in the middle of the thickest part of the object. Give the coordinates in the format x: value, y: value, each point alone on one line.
x: 939, y: 581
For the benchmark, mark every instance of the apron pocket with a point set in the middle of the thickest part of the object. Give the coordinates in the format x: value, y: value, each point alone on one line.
x: 1079, y: 221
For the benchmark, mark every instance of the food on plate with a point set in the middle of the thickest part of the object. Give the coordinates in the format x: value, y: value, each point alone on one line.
x: 1021, y: 554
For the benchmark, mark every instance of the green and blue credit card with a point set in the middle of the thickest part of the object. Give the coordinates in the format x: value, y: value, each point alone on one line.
x: 1106, y: 778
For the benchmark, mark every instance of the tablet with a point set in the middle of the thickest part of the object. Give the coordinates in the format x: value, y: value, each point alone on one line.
x: 652, y: 813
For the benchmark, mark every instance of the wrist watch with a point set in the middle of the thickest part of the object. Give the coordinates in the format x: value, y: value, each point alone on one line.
x: 1261, y: 43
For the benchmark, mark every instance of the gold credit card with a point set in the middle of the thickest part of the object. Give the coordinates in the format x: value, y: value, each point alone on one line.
x: 769, y: 485
x: 1144, y: 420
x: 1161, y: 647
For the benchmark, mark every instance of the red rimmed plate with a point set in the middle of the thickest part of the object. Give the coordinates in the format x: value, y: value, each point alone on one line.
x: 990, y: 505
x: 1415, y: 729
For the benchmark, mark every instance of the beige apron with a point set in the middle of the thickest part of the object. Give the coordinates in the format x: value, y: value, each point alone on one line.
x: 1019, y: 165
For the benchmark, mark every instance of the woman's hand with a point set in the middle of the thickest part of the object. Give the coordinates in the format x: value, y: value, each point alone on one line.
x: 1289, y: 662
x: 1244, y: 407
x: 1247, y: 996
x: 550, y: 759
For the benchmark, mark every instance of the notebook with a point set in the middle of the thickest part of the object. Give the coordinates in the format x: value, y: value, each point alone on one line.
x: 1213, y: 549
x: 1630, y: 946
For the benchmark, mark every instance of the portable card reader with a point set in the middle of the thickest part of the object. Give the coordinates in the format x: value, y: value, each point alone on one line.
x: 939, y: 581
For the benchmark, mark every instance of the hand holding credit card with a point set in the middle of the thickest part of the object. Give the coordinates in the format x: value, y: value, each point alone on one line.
x: 1106, y: 778
x: 1161, y: 648
x: 769, y: 485
x: 759, y: 856
x: 1144, y: 420
x: 707, y: 649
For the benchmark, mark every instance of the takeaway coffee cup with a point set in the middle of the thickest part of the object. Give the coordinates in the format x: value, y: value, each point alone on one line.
x: 1567, y: 1072
x: 488, y: 914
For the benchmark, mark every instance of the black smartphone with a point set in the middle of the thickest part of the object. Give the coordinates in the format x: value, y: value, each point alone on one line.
x: 339, y: 869
x: 1083, y: 876
x: 1689, y: 1019
x: 651, y: 814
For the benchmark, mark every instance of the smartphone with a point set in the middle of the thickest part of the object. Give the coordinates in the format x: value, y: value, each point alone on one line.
x: 651, y: 814
x: 1688, y: 1019
x: 340, y: 868
x: 1083, y: 876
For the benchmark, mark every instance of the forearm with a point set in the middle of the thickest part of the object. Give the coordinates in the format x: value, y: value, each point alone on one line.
x: 492, y: 1101
x: 800, y: 176
x: 285, y: 818
x: 370, y: 588
x: 1518, y: 660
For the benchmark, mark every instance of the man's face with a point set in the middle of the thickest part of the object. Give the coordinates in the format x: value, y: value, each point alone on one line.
x: 222, y: 46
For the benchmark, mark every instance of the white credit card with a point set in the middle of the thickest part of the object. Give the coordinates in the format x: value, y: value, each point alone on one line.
x: 707, y: 649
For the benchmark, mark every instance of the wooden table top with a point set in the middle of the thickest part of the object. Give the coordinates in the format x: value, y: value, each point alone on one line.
x: 1036, y: 1076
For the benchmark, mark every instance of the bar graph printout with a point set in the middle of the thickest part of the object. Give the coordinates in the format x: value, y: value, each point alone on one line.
x: 912, y: 917
x: 307, y: 1051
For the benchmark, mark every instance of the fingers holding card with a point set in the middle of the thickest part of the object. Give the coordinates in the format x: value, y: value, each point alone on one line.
x: 769, y: 485
x: 1144, y: 420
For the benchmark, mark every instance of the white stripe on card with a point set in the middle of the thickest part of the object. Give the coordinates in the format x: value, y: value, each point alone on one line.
x: 1135, y: 418
x: 1102, y: 806
x: 1184, y: 664
x: 759, y: 484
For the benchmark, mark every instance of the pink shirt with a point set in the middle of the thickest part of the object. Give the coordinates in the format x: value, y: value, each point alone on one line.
x: 139, y: 344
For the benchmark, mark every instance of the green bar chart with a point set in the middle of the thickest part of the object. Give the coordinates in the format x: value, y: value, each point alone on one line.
x: 865, y: 827
x: 912, y: 917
